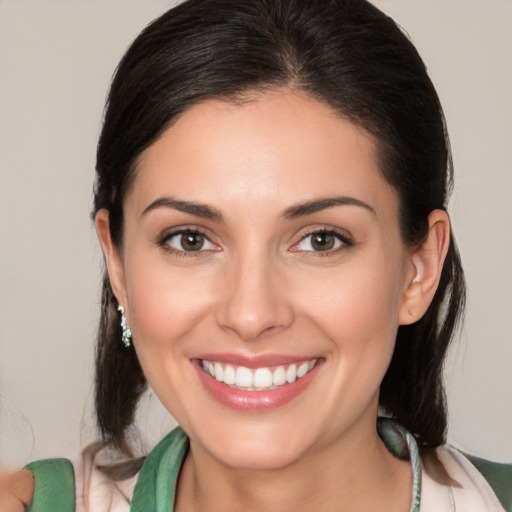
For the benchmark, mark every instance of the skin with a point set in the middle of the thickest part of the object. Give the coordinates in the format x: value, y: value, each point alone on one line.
x: 16, y: 489
x: 259, y: 288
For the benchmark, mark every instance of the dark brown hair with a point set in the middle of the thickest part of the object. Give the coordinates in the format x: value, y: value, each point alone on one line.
x: 345, y: 53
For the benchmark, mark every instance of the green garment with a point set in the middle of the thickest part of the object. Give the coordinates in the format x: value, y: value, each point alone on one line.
x: 54, y: 486
x: 156, y: 483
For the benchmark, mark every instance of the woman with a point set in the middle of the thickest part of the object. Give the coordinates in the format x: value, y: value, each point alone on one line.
x: 271, y: 196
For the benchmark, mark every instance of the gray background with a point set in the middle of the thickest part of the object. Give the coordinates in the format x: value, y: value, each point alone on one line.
x: 56, y: 60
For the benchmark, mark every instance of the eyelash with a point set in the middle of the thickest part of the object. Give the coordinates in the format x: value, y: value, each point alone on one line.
x: 345, y: 240
x: 163, y: 242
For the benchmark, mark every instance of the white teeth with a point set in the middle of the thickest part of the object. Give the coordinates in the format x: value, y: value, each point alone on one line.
x: 302, y: 370
x: 259, y: 378
x: 219, y: 372
x: 279, y: 376
x: 291, y: 373
x: 262, y: 378
x: 229, y: 375
x: 243, y: 377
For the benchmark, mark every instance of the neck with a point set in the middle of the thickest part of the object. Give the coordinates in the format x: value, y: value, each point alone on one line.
x: 355, y: 472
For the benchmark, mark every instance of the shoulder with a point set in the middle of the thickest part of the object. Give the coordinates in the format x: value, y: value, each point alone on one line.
x: 80, y: 485
x: 491, y: 477
x: 498, y: 475
x: 16, y: 490
x: 42, y: 485
x: 73, y: 485
x: 469, y: 483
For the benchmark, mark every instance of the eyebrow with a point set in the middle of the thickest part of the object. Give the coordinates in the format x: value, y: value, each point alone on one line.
x: 198, y: 209
x: 293, y: 212
x: 303, y: 209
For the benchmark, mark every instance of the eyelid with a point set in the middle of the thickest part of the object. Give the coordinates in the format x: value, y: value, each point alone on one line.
x: 170, y: 233
x: 341, y: 235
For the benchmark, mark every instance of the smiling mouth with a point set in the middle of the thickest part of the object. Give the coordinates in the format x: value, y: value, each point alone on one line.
x: 257, y: 379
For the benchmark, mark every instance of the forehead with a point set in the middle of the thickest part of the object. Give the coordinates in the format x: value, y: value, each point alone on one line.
x: 278, y: 147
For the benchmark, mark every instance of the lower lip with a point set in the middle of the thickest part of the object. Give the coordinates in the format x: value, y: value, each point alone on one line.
x: 249, y: 401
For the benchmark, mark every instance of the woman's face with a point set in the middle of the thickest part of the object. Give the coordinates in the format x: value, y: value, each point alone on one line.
x: 262, y: 245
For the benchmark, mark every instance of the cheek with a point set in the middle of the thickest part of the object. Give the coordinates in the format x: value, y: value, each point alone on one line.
x: 355, y: 301
x: 356, y: 308
x: 166, y: 304
x: 167, y: 312
x: 358, y: 312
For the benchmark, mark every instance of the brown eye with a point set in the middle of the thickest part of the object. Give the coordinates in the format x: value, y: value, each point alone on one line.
x: 188, y: 241
x: 192, y: 241
x: 322, y: 241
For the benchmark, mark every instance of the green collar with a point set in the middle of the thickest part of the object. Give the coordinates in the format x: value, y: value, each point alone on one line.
x: 156, y: 484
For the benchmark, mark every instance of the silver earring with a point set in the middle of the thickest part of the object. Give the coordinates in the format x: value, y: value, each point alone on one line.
x: 126, y: 332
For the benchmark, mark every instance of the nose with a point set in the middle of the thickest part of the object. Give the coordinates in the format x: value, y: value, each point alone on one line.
x: 254, y: 299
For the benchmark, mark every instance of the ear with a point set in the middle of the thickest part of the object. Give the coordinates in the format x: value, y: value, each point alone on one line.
x: 113, y: 259
x: 426, y: 266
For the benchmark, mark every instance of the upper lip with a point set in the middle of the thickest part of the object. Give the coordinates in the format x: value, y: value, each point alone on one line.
x: 255, y: 361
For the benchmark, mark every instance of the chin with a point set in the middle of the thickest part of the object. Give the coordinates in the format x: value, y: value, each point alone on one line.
x: 255, y: 447
x: 267, y: 457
